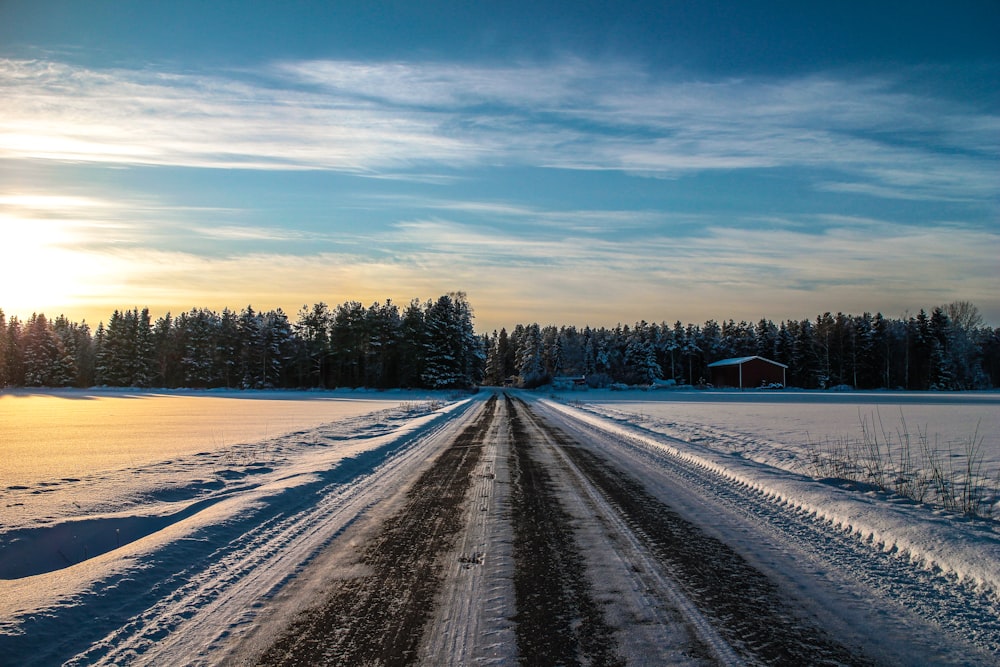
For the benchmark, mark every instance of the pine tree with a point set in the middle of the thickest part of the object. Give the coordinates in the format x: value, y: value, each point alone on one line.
x: 107, y: 342
x: 640, y: 361
x: 230, y: 349
x: 452, y: 356
x: 529, y: 358
x: 3, y: 350
x: 783, y: 345
x: 144, y: 349
x: 989, y: 342
x: 766, y: 337
x: 46, y: 363
x: 919, y: 349
x: 125, y: 352
x: 505, y: 351
x: 249, y: 349
x: 865, y: 350
x: 942, y: 372
x: 552, y: 352
x: 76, y: 341
x: 349, y: 338
x: 198, y: 339
x: 809, y: 358
x: 412, y: 347
x: 493, y: 375
x: 473, y: 356
x: 280, y: 347
x: 692, y: 351
x: 822, y: 335
x: 589, y: 355
x: 891, y: 353
x: 381, y: 363
x: 313, y: 331
x: 168, y: 352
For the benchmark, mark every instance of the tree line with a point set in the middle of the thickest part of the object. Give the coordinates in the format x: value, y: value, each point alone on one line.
x: 946, y: 349
x: 433, y: 344
x: 426, y: 345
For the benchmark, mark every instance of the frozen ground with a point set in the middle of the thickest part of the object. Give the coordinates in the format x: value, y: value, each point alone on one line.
x: 176, y: 561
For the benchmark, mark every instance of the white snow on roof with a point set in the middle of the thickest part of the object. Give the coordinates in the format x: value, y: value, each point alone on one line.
x: 738, y: 361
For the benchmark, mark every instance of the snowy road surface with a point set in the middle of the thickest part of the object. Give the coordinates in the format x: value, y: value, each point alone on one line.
x: 499, y: 530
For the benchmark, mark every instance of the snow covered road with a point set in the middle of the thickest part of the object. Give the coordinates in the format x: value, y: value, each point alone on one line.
x: 517, y: 529
x: 582, y: 543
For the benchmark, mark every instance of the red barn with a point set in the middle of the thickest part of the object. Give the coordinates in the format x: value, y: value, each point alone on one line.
x: 747, y: 372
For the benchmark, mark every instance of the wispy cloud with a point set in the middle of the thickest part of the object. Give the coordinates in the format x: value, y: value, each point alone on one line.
x: 786, y: 268
x: 60, y: 112
x: 238, y: 233
x: 440, y: 123
x: 408, y: 119
x: 727, y: 271
x: 543, y: 220
x: 52, y: 203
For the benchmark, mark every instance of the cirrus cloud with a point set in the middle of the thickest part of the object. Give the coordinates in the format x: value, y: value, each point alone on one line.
x: 415, y: 118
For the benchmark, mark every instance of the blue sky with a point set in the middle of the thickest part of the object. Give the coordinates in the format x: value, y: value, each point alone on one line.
x: 568, y: 163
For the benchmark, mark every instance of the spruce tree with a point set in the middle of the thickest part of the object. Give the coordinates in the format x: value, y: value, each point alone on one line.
x: 279, y: 348
x: 312, y: 328
x: 412, y: 348
x: 381, y: 363
x: 3, y: 350
x: 46, y: 363
x: 349, y: 338
x: 442, y: 346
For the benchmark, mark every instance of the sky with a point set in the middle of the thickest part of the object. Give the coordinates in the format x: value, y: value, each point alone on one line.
x: 570, y: 163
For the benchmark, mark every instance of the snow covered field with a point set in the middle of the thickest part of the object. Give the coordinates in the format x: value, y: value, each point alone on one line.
x: 786, y: 428
x: 47, y: 436
x: 173, y: 556
x: 73, y: 454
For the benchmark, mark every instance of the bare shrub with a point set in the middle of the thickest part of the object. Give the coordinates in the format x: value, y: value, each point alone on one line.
x: 950, y: 475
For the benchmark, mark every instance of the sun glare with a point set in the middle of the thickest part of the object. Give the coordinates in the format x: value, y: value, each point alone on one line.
x: 40, y: 269
x: 48, y: 202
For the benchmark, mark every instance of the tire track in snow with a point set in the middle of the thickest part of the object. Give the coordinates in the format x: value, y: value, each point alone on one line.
x: 378, y: 616
x: 200, y: 598
x: 558, y: 620
x: 472, y: 621
x: 749, y: 621
x: 655, y: 620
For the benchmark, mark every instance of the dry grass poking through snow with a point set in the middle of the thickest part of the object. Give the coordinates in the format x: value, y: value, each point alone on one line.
x: 947, y: 474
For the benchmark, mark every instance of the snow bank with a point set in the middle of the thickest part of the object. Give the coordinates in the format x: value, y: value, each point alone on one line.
x: 966, y: 549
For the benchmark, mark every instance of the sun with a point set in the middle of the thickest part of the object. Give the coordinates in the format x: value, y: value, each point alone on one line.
x: 40, y: 267
x: 52, y: 259
x: 33, y: 269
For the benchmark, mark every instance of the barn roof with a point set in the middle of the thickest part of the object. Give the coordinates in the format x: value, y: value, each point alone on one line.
x: 739, y: 361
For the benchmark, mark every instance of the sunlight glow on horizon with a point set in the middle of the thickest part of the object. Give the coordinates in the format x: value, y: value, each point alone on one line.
x: 41, y: 270
x: 77, y: 268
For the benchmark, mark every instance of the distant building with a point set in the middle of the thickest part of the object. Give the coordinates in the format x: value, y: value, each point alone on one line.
x: 747, y: 372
